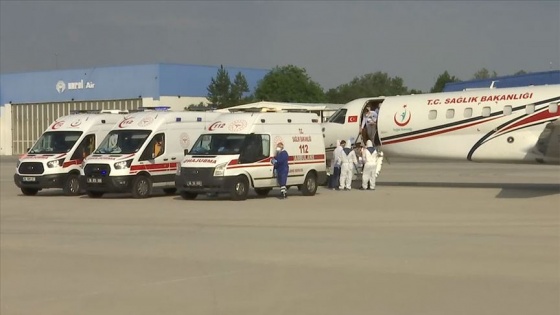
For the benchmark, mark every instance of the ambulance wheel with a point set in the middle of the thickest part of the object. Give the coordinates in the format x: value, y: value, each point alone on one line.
x: 72, y: 185
x: 309, y: 187
x: 170, y: 191
x: 187, y: 195
x: 240, y: 188
x: 141, y: 187
x: 95, y: 194
x: 262, y: 191
x: 29, y: 191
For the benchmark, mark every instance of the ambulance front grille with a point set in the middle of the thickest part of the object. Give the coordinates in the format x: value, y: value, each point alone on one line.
x: 31, y: 168
x: 97, y: 170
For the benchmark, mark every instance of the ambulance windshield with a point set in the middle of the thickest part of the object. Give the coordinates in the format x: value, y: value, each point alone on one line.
x: 55, y: 142
x: 123, y: 142
x: 218, y: 144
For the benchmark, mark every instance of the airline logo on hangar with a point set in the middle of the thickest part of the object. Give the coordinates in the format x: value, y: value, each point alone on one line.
x: 61, y: 86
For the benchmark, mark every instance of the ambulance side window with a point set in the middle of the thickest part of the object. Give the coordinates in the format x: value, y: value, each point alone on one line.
x: 265, y: 145
x: 253, y: 149
x: 85, y: 148
x: 155, y: 148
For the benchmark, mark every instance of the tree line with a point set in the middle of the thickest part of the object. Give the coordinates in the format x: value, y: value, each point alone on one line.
x: 292, y: 84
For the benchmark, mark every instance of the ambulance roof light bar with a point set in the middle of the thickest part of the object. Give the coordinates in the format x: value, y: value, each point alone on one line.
x: 154, y: 108
x: 98, y: 111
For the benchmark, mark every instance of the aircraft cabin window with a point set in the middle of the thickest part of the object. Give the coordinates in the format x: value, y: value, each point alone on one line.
x: 432, y: 114
x: 553, y: 108
x: 529, y: 109
x: 450, y: 113
x: 486, y: 111
x: 468, y: 112
x: 508, y: 110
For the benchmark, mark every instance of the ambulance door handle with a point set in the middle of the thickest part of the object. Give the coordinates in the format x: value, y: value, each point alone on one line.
x: 165, y: 159
x: 173, y: 158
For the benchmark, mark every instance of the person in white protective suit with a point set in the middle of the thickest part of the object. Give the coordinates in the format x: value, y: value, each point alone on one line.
x: 334, y: 181
x: 348, y: 161
x: 370, y: 157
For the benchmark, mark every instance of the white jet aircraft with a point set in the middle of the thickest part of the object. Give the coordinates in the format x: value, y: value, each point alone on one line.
x: 497, y: 125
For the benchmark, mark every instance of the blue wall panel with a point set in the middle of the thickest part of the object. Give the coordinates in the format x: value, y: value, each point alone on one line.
x: 106, y: 83
x: 537, y: 78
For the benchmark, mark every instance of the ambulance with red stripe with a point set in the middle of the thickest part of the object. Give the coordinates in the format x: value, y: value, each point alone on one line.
x: 142, y: 152
x: 54, y: 160
x: 235, y: 155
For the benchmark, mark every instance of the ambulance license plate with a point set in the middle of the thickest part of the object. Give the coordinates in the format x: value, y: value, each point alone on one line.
x: 92, y: 180
x: 194, y: 183
x: 28, y: 179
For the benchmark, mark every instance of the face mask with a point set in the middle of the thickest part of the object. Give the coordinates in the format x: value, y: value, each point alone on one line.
x: 278, y: 149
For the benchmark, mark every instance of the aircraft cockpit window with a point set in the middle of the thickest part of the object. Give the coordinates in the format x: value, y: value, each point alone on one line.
x: 450, y: 113
x: 468, y: 112
x: 553, y: 108
x: 486, y: 111
x: 432, y: 114
x: 508, y: 110
x: 529, y: 109
x: 339, y: 117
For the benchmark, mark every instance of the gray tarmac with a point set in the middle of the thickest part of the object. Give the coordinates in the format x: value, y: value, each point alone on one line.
x: 434, y: 238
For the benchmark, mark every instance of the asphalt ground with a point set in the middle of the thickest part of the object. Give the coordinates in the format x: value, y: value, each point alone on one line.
x: 433, y: 238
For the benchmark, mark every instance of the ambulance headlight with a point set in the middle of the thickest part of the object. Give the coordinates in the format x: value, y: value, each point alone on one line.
x: 220, y: 169
x: 123, y: 164
x: 178, y: 171
x: 18, y: 164
x: 55, y: 163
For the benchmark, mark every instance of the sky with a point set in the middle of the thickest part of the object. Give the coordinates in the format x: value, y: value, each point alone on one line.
x: 334, y: 41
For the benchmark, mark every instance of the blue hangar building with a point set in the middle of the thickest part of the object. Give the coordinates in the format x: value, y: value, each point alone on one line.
x: 29, y: 102
x: 536, y: 78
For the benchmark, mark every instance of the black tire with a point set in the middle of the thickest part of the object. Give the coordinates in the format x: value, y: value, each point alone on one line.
x: 95, y: 194
x: 309, y: 187
x: 240, y: 188
x: 170, y: 191
x: 263, y: 192
x: 29, y: 191
x: 187, y: 195
x: 141, y: 187
x: 72, y: 185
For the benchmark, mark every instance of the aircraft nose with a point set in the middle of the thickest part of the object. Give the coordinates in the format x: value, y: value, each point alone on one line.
x: 327, y: 139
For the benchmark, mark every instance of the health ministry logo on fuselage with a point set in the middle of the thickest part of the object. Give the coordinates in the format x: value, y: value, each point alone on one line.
x: 404, y: 116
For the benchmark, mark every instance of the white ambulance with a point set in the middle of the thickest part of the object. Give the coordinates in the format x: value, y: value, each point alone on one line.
x: 142, y: 152
x: 235, y: 154
x: 55, y: 159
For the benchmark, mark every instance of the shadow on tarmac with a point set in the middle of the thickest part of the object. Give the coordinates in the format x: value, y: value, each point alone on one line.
x: 508, y: 190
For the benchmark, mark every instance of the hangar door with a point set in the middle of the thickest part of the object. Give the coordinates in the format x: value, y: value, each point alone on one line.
x: 30, y: 120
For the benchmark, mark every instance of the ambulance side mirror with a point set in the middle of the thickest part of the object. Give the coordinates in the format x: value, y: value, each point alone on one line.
x: 186, y: 151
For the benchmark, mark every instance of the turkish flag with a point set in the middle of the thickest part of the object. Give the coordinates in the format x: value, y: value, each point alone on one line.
x: 352, y: 119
